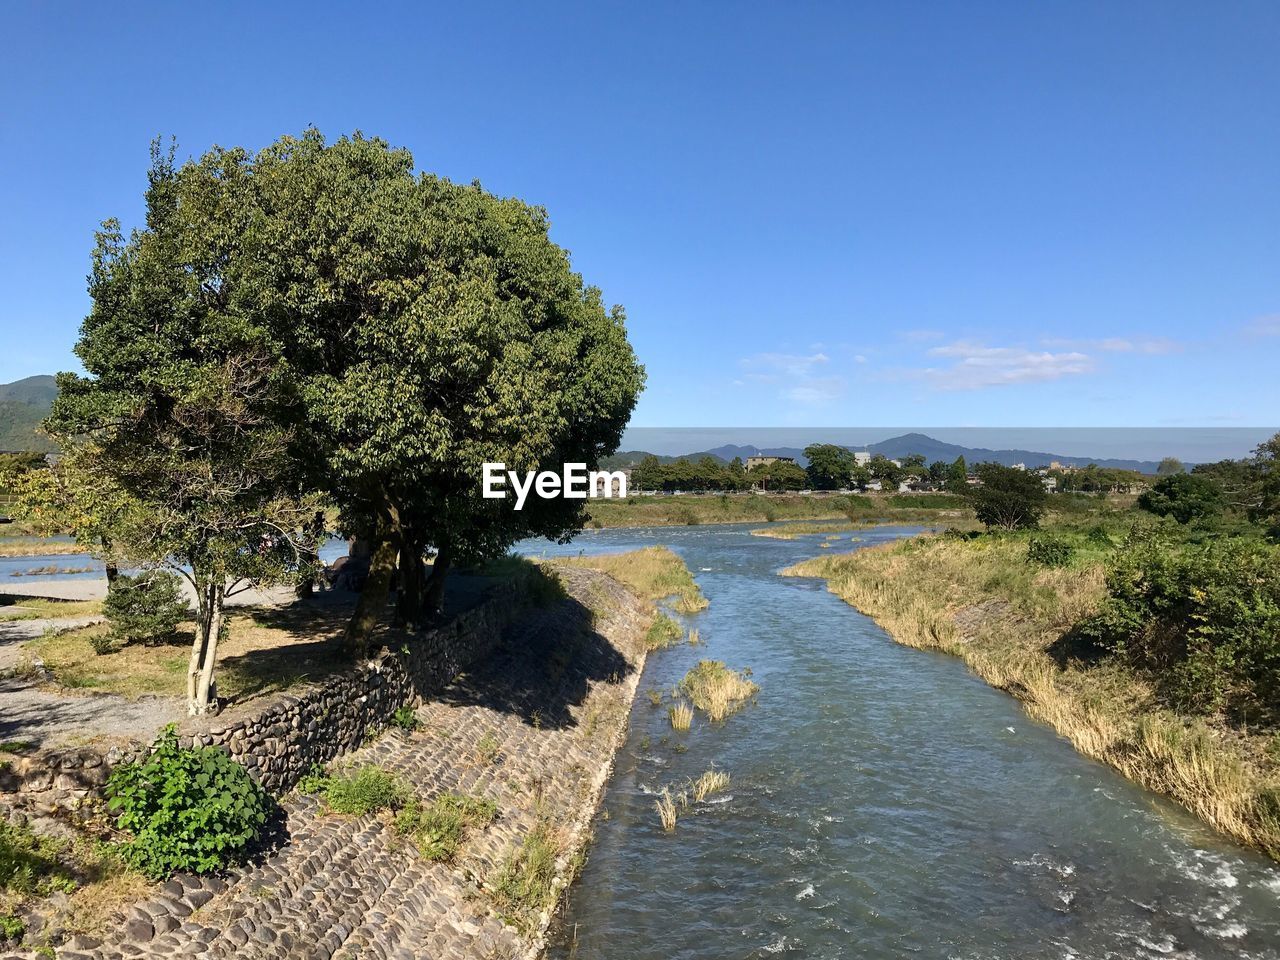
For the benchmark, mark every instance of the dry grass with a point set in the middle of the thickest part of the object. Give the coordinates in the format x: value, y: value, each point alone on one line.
x: 655, y: 573
x: 35, y: 547
x: 42, y: 609
x: 712, y: 781
x: 668, y: 809
x: 716, y: 689
x: 265, y: 651
x: 695, y: 637
x: 790, y: 531
x: 681, y: 715
x: 981, y: 601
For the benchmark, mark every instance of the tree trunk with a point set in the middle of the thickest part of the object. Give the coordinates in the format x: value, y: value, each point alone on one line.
x: 204, y: 610
x: 434, y: 599
x: 112, y: 573
x: 409, y: 601
x: 373, y: 599
x: 217, y: 596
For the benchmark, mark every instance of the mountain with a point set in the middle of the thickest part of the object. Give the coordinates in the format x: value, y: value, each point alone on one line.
x: 23, y: 404
x: 896, y: 448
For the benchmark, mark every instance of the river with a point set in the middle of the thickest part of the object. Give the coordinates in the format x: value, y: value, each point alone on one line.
x: 884, y: 803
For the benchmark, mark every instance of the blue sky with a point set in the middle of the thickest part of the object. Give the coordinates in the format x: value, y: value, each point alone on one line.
x: 827, y: 214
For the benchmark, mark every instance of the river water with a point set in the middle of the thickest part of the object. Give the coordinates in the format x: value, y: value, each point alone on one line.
x: 884, y: 804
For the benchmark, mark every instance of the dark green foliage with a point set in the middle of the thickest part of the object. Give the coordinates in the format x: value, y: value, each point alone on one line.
x: 1049, y: 551
x: 1099, y: 536
x: 830, y: 466
x: 11, y: 928
x: 1205, y: 620
x: 1183, y: 496
x: 146, y: 608
x: 193, y: 809
x: 1007, y: 498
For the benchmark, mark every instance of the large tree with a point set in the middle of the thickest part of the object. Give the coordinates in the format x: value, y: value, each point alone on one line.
x: 184, y: 410
x: 1008, y: 498
x: 830, y: 466
x: 436, y: 327
x: 1183, y: 496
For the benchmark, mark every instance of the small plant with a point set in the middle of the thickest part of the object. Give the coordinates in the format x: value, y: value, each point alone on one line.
x: 188, y: 808
x: 11, y: 928
x: 104, y: 643
x: 440, y: 828
x: 655, y: 697
x: 367, y: 790
x: 716, y: 689
x: 681, y: 715
x: 524, y: 885
x: 146, y: 608
x: 1048, y: 551
x: 663, y: 632
x: 695, y: 637
x: 406, y: 718
x: 712, y: 781
x: 29, y: 862
x: 668, y: 811
x: 487, y: 749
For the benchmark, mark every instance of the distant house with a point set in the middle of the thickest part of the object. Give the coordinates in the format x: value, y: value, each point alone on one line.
x: 1050, y: 484
x: 861, y: 457
x: 760, y: 460
x: 611, y: 480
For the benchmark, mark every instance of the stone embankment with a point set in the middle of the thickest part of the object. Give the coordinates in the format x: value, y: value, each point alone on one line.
x: 532, y: 725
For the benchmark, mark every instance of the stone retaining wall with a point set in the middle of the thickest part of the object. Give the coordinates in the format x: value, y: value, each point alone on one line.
x: 284, y: 736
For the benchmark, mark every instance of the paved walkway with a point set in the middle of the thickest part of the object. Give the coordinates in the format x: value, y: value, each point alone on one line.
x: 555, y: 701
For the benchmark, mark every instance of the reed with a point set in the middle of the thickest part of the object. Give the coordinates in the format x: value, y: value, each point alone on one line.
x: 668, y: 811
x: 681, y: 715
x: 716, y: 689
x: 712, y: 781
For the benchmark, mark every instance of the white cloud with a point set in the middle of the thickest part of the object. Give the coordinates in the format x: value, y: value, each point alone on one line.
x: 976, y: 366
x: 798, y: 377
x: 1154, y: 346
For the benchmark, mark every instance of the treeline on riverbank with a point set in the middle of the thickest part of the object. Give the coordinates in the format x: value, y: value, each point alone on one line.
x: 690, y: 510
x: 1147, y: 635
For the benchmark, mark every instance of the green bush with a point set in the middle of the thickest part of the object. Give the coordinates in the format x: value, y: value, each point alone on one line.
x: 1183, y: 496
x: 145, y: 608
x: 1098, y: 536
x: 1049, y: 551
x: 11, y: 928
x: 192, y: 809
x: 1205, y: 620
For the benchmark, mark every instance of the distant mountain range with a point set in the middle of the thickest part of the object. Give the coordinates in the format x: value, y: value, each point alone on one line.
x: 897, y: 447
x: 23, y: 404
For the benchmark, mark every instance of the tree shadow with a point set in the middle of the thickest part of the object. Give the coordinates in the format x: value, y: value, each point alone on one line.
x: 1077, y: 648
x: 544, y: 666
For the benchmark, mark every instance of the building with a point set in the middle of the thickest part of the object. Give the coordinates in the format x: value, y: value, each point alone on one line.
x: 760, y: 460
x: 861, y: 457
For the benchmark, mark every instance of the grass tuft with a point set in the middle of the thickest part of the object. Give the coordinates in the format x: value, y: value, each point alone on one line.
x: 681, y: 715
x: 716, y: 689
x: 440, y: 828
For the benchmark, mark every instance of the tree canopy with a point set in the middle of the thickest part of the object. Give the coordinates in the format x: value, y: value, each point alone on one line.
x: 1008, y: 498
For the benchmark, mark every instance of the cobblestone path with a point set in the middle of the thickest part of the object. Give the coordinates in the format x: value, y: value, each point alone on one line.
x: 534, y: 730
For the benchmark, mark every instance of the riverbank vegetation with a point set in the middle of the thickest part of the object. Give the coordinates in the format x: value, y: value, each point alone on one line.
x: 1153, y: 645
x: 694, y: 509
x: 655, y: 573
x: 716, y: 689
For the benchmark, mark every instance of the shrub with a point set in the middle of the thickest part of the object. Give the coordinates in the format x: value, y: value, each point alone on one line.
x: 406, y: 718
x: 146, y: 608
x: 1049, y: 551
x: 11, y: 928
x: 1183, y: 496
x: 440, y: 828
x: 1099, y: 536
x: 192, y: 809
x: 1205, y: 619
x: 1007, y: 498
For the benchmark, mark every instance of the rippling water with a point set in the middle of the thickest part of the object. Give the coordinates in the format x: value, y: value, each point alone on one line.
x: 884, y: 804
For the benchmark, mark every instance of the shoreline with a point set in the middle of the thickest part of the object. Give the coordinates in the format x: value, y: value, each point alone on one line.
x: 1200, y: 767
